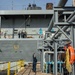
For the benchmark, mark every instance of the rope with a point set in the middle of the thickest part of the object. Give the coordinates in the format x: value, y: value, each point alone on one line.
x: 24, y: 22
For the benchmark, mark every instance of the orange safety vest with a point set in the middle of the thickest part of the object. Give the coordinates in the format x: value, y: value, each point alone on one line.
x: 74, y: 55
x: 71, y: 52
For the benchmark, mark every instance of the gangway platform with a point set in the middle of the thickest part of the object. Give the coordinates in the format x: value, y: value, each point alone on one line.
x: 28, y: 71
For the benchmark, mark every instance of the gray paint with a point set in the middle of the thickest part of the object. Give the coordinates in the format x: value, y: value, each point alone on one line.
x: 25, y: 49
x: 26, y: 46
x: 23, y: 12
x: 20, y: 23
x: 55, y: 58
x: 0, y: 26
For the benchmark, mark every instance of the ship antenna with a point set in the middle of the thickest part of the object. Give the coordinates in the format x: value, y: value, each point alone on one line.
x: 12, y: 4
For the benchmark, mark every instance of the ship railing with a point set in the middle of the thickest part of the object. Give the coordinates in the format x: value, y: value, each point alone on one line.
x: 14, y: 66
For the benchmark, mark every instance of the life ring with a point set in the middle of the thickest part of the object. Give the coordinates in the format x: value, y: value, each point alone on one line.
x: 71, y: 53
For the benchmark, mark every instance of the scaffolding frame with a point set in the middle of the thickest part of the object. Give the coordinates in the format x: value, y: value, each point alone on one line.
x: 67, y: 21
x: 63, y: 26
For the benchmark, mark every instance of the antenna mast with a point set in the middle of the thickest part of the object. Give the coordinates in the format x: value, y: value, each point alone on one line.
x: 12, y: 4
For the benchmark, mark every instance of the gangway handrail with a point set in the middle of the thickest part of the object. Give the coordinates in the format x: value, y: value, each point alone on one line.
x: 9, y: 67
x: 6, y: 62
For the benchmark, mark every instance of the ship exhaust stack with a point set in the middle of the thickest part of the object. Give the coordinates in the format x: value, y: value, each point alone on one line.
x: 73, y: 2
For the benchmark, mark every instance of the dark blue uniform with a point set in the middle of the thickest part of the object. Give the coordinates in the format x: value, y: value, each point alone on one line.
x: 34, y: 63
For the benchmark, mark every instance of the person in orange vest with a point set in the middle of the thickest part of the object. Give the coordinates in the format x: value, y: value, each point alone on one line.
x: 71, y: 52
x: 74, y: 55
x: 34, y: 63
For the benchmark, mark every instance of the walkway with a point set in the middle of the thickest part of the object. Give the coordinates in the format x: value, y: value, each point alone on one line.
x: 28, y: 71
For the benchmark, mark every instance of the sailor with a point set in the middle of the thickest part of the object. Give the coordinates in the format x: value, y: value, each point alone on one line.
x: 34, y: 63
x: 40, y: 33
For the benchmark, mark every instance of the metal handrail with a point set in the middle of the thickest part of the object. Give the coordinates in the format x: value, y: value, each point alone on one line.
x: 9, y: 67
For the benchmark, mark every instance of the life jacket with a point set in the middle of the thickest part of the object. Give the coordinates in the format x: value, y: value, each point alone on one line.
x: 74, y: 55
x: 71, y: 52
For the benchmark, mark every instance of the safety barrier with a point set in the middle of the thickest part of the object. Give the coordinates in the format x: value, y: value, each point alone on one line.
x: 16, y: 66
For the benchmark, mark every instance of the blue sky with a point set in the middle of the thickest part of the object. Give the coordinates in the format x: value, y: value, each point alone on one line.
x: 22, y: 4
